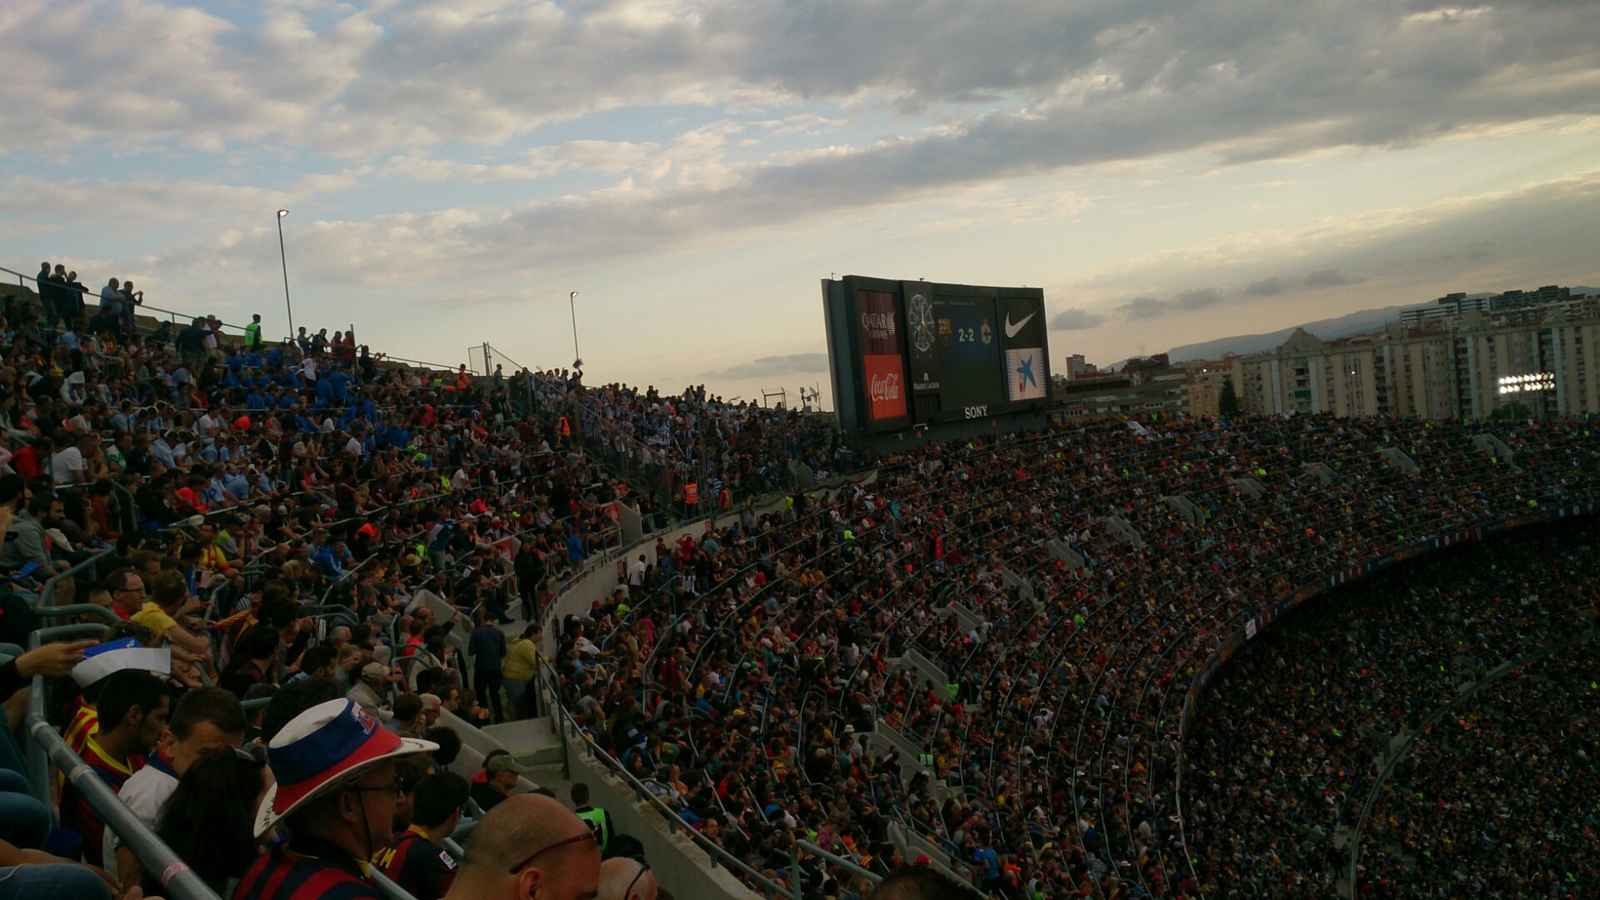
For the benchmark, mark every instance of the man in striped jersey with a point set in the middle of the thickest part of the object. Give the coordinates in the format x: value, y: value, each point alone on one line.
x: 335, y: 795
x: 133, y: 707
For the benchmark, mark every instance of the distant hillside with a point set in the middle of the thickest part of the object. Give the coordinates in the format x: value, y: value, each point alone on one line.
x: 1363, y: 322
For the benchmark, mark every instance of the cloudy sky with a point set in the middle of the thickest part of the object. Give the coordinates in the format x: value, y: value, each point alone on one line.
x: 1167, y: 172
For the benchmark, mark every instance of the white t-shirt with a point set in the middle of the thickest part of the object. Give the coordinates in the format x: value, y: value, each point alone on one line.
x: 144, y: 793
x: 66, y: 466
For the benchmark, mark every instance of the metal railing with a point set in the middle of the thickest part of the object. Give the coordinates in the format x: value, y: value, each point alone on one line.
x: 47, y: 594
x: 565, y: 721
x: 140, y: 307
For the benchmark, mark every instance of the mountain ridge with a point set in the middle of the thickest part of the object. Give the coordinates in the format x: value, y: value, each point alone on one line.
x: 1363, y: 321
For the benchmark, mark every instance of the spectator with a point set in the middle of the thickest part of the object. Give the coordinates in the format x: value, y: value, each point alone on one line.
x: 497, y: 780
x: 334, y: 773
x: 622, y: 878
x: 371, y: 690
x: 920, y: 883
x: 449, y: 745
x: 26, y: 550
x: 133, y: 708
x: 407, y: 720
x: 417, y: 859
x: 254, y: 656
x: 598, y: 820
x: 487, y: 645
x: 205, y: 823
x: 203, y: 721
x: 529, y: 846
x: 66, y: 462
x: 519, y: 672
x: 27, y: 874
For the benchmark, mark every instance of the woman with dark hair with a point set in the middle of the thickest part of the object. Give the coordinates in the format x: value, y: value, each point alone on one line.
x: 205, y: 823
x: 253, y: 657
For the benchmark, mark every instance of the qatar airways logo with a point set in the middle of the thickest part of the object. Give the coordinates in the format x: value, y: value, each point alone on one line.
x: 884, y: 388
x: 878, y: 326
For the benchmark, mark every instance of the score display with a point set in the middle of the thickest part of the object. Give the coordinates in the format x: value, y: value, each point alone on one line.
x: 957, y: 365
x: 966, y: 352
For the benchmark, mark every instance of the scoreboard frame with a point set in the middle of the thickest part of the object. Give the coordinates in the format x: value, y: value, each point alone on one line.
x: 916, y: 353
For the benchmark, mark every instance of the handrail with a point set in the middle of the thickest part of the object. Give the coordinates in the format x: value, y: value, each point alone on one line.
x: 389, y: 888
x: 841, y: 862
x: 154, y: 855
x: 35, y: 757
x: 47, y: 593
x: 566, y: 720
x: 139, y: 305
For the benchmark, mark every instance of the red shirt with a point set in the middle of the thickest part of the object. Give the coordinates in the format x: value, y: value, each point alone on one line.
x: 25, y: 462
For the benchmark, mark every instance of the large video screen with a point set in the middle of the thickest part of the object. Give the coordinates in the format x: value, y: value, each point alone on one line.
x: 968, y: 344
x: 914, y: 352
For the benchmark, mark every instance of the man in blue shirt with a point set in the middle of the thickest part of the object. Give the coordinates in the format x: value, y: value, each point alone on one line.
x: 487, y: 645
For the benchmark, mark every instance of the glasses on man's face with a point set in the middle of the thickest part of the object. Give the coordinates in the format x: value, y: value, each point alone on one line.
x: 392, y: 787
x: 586, y: 837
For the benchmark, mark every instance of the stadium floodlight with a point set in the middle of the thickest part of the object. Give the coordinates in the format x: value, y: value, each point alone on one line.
x: 572, y: 305
x: 283, y: 258
x: 1529, y: 382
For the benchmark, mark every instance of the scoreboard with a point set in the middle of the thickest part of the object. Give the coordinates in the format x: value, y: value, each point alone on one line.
x: 907, y: 353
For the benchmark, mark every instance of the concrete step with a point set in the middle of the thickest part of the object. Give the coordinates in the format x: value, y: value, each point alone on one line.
x: 533, y: 742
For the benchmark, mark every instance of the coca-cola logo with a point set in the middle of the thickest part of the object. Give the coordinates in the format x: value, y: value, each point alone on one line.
x: 884, y: 387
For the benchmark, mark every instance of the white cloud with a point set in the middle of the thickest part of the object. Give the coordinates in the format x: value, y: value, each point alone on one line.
x: 1090, y: 82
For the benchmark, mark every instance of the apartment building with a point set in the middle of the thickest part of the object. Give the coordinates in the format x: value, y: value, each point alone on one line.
x: 1539, y: 350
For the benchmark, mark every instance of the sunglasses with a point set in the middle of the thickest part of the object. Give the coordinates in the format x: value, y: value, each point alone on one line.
x: 586, y: 838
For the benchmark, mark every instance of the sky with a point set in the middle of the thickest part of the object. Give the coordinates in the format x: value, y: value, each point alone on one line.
x: 1167, y: 172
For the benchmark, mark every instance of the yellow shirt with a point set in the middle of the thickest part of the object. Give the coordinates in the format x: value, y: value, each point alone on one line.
x: 213, y: 558
x: 522, y: 660
x: 154, y: 618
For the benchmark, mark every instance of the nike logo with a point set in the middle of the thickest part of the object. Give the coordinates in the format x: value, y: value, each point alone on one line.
x: 1013, y: 327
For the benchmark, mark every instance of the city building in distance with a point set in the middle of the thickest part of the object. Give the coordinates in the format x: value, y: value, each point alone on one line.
x: 1520, y: 353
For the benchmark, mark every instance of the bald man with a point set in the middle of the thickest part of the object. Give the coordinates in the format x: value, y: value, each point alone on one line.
x: 626, y: 879
x: 529, y: 845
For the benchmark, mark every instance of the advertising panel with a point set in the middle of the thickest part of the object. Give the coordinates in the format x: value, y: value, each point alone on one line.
x: 882, y: 362
x: 886, y: 395
x: 1027, y: 367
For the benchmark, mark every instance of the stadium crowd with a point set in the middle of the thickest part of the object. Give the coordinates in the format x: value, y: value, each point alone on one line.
x: 744, y: 675
x: 1497, y: 799
x: 1291, y: 738
x: 262, y: 517
x: 310, y: 522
